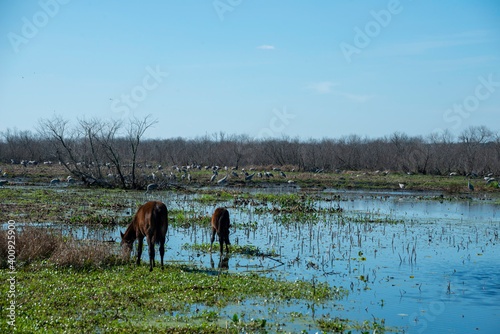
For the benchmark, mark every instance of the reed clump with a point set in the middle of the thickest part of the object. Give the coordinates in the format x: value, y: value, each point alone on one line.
x: 37, y: 244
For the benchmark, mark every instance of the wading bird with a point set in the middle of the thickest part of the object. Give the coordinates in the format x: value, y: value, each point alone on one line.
x: 221, y: 181
x: 151, y: 186
x: 471, y: 187
x: 489, y: 180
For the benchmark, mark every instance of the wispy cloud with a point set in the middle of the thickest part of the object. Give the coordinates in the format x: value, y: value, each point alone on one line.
x: 356, y: 97
x: 325, y: 87
x: 266, y: 47
x: 434, y: 42
x: 322, y: 87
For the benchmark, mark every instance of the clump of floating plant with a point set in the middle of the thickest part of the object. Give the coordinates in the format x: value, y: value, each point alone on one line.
x: 248, y: 250
x: 186, y: 219
x: 339, y: 325
x: 99, y: 219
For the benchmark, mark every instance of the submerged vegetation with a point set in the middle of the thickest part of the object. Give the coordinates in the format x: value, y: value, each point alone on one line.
x: 249, y: 250
x: 338, y: 325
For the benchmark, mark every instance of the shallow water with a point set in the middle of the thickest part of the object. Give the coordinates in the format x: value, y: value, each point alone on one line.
x: 437, y: 271
x: 422, y: 265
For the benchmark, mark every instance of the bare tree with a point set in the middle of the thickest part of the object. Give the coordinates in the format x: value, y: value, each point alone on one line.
x: 107, y: 137
x: 472, y: 139
x: 63, y: 141
x: 21, y: 144
x: 90, y: 130
x: 136, y: 130
x: 82, y: 150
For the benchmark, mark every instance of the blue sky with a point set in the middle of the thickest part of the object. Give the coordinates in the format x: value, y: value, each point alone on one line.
x: 307, y: 69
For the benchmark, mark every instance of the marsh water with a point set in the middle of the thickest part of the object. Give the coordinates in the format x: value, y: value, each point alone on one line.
x: 422, y: 263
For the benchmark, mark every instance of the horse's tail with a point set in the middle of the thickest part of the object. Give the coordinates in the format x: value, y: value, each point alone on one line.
x: 160, y: 218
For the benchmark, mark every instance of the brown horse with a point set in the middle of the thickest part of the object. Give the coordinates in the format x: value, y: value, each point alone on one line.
x: 150, y: 221
x: 220, y: 225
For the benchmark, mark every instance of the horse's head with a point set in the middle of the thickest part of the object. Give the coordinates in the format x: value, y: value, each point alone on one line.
x: 126, y: 245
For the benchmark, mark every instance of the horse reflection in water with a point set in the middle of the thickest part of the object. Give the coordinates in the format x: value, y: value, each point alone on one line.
x: 223, y: 262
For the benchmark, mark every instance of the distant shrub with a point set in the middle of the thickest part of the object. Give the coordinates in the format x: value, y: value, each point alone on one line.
x: 453, y: 188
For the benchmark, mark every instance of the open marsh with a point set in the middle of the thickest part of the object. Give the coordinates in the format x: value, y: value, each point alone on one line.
x: 412, y: 262
x: 420, y: 264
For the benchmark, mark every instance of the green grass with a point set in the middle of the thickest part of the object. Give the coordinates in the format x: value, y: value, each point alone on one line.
x: 214, y: 195
x: 185, y: 218
x: 105, y: 220
x: 129, y: 298
x: 62, y: 204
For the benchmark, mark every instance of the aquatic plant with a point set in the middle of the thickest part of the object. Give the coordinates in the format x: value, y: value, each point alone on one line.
x: 248, y: 250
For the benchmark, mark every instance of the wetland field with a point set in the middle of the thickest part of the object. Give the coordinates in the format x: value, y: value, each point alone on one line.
x: 312, y: 256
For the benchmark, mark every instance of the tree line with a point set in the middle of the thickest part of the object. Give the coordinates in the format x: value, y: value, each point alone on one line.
x: 90, y: 149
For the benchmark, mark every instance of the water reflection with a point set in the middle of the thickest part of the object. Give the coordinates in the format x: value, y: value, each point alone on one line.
x: 223, y: 262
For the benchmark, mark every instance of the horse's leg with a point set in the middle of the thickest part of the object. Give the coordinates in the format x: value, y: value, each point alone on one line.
x: 226, y: 240
x: 221, y: 243
x: 151, y: 246
x: 139, y: 250
x: 212, y: 239
x: 227, y: 245
x: 162, y: 251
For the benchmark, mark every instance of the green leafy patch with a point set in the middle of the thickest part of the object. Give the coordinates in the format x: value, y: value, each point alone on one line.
x: 248, y: 250
x: 338, y: 325
x: 130, y: 298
